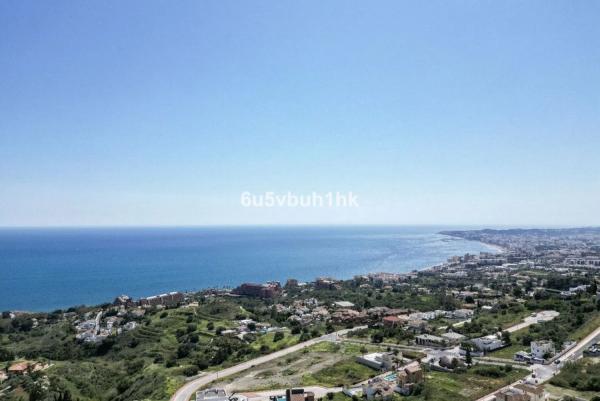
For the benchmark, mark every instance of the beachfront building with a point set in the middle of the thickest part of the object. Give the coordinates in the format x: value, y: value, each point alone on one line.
x: 268, y: 290
x: 169, y: 299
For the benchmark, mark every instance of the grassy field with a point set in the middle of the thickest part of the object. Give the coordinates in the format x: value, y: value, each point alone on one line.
x: 344, y: 373
x: 505, y: 318
x: 327, y: 364
x: 466, y: 386
x: 267, y: 339
x: 590, y: 325
x: 559, y: 392
x: 508, y: 352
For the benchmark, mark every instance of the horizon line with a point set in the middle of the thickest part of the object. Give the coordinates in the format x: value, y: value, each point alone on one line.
x: 275, y: 225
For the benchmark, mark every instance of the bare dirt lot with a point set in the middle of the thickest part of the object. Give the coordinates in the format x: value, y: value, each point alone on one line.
x: 325, y: 364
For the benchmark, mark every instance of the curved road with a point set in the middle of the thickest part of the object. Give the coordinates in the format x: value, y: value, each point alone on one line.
x: 185, y: 392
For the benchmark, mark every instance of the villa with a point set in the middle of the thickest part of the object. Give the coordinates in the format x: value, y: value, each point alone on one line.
x: 377, y: 360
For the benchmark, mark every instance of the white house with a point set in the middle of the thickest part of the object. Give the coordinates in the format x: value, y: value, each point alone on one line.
x: 453, y: 338
x: 488, y: 343
x: 541, y: 348
x: 376, y: 360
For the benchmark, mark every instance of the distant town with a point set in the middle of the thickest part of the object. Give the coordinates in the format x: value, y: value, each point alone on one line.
x: 520, y: 324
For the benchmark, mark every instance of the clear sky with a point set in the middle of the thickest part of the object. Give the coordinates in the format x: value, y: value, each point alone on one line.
x: 163, y: 113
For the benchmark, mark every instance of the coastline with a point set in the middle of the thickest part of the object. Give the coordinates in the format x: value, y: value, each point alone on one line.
x: 356, y: 251
x: 430, y: 268
x: 498, y: 248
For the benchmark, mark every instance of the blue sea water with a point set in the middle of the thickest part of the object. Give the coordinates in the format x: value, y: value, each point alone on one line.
x: 46, y: 269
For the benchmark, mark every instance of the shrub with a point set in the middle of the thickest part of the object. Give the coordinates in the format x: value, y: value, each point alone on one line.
x: 190, y: 371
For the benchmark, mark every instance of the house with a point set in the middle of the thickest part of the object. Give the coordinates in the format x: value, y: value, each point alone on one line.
x: 123, y: 300
x: 522, y: 356
x: 348, y: 315
x: 535, y: 393
x: 408, y: 376
x: 447, y: 363
x: 417, y: 326
x: 392, y: 321
x: 343, y: 304
x: 324, y: 283
x: 298, y: 394
x: 541, y: 349
x: 463, y: 314
x: 291, y: 283
x: 130, y: 326
x: 487, y: 343
x: 430, y: 340
x: 377, y: 360
x: 212, y: 394
x: 453, y: 338
x: 23, y: 367
x: 511, y: 394
x: 378, y: 388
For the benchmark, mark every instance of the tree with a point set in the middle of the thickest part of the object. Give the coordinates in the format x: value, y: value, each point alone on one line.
x: 6, y: 355
x: 468, y: 358
x: 517, y: 292
x: 506, y: 338
x: 36, y: 392
x: 190, y: 371
x: 278, y: 336
x: 593, y: 288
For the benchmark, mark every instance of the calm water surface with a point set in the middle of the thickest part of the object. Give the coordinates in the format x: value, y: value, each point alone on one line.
x: 46, y: 269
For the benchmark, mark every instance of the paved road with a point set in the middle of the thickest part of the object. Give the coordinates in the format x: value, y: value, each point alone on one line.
x: 543, y: 316
x: 97, y: 326
x: 577, y: 351
x: 185, y: 392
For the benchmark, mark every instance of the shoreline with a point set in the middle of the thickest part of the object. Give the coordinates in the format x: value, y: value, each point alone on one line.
x: 427, y: 268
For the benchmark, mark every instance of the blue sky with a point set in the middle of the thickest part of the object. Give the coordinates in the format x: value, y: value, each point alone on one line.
x: 162, y: 113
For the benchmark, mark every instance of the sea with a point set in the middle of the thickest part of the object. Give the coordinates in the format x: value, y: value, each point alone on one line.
x: 44, y: 269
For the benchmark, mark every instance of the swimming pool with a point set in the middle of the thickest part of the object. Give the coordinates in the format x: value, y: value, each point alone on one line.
x: 391, y: 377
